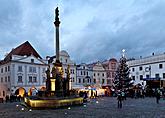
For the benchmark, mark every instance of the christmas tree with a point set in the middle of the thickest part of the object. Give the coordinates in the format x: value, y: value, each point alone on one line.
x: 122, y: 79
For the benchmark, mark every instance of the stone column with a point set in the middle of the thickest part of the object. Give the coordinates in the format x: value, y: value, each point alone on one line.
x: 57, y: 24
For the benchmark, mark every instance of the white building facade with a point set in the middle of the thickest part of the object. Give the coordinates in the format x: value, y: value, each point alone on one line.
x: 22, y: 72
x: 84, y: 75
x: 148, y: 71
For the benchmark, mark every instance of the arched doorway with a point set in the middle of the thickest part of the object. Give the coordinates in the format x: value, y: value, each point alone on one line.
x: 32, y: 91
x: 20, y: 92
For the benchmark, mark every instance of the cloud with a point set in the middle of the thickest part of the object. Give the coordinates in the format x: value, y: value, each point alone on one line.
x: 89, y: 30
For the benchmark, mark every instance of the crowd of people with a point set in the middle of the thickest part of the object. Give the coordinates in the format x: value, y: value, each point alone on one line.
x: 140, y: 93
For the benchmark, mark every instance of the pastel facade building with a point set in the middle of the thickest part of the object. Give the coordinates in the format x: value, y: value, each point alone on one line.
x: 22, y: 71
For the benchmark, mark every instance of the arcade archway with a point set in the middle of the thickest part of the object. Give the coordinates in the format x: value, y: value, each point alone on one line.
x: 20, y: 92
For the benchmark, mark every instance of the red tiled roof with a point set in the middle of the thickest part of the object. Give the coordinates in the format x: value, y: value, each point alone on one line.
x: 23, y: 49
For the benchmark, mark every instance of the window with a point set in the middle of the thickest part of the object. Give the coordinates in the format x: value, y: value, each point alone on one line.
x: 147, y: 76
x: 66, y: 60
x: 94, y: 74
x: 79, y: 80
x: 113, y: 66
x: 94, y: 80
x: 5, y: 79
x: 103, y: 81
x: 8, y: 68
x: 113, y: 74
x: 5, y: 69
x: 8, y: 78
x: 19, y: 68
x: 1, y: 79
x: 163, y: 75
x: 32, y: 60
x: 156, y: 75
x: 160, y: 66
x: 34, y: 79
x: 1, y: 70
x: 32, y: 69
x: 141, y: 77
x: 83, y: 80
x: 133, y: 69
x: 103, y: 74
x: 81, y: 72
x: 19, y: 79
x: 133, y: 77
x: 98, y: 74
x: 44, y: 79
x: 84, y: 72
x: 43, y: 70
x: 73, y: 71
x: 140, y: 68
x: 30, y: 79
x: 87, y: 73
x: 108, y: 81
x: 73, y: 79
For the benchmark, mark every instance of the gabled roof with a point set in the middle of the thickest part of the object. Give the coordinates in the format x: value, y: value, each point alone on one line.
x: 23, y: 49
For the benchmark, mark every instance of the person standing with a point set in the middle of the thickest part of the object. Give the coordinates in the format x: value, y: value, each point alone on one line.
x: 157, y: 96
x: 119, y: 98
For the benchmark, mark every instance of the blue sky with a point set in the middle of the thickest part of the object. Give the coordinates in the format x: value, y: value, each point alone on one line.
x: 90, y: 30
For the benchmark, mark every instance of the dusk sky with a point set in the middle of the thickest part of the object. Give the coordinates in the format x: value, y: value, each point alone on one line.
x: 90, y: 30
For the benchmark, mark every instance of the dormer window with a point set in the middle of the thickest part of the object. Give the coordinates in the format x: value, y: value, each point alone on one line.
x: 32, y: 60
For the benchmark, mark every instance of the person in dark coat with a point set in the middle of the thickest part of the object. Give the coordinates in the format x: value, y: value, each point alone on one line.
x: 119, y: 98
x: 157, y: 96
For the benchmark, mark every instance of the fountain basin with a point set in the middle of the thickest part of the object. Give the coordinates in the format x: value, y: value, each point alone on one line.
x: 52, y: 103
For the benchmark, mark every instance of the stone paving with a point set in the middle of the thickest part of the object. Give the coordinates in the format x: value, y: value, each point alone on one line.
x: 105, y: 107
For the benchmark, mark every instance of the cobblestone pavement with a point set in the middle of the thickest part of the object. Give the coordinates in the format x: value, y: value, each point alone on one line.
x: 105, y: 107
